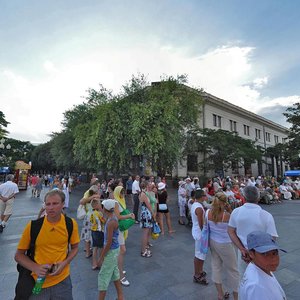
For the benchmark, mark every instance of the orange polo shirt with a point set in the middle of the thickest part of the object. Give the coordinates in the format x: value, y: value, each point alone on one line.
x: 51, y: 246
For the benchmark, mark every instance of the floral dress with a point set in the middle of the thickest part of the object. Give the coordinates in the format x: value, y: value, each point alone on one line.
x: 146, y: 216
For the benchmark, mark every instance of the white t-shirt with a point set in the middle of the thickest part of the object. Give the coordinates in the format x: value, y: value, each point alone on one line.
x: 8, y: 188
x: 251, y: 217
x: 258, y: 285
x: 136, y: 187
x: 196, y: 230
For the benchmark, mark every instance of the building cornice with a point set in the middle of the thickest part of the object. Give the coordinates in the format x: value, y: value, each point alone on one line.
x: 229, y: 106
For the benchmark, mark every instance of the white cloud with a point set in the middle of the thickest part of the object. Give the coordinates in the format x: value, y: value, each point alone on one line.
x: 34, y: 106
x: 260, y: 82
x: 49, y: 66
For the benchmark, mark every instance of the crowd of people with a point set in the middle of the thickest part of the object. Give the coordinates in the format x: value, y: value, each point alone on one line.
x: 228, y: 207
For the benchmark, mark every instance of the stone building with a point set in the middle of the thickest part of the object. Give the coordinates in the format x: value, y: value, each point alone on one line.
x: 216, y: 114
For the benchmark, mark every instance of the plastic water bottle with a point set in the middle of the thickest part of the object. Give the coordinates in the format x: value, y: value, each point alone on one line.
x: 38, y: 285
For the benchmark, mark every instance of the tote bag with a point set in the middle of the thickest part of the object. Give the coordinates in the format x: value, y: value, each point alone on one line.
x: 81, y: 212
x: 204, y: 241
x: 125, y: 223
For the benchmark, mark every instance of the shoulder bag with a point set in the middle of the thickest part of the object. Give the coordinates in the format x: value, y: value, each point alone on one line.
x: 125, y: 224
x: 204, y: 241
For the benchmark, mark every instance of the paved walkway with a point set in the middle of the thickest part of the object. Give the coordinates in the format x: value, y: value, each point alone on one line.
x: 168, y: 274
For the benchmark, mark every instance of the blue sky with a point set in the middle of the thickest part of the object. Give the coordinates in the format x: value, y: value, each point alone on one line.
x: 51, y: 52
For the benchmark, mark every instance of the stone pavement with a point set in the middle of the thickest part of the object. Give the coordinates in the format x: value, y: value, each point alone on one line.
x: 167, y: 274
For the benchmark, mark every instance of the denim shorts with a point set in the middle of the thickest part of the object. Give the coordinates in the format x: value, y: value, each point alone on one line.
x: 98, y: 239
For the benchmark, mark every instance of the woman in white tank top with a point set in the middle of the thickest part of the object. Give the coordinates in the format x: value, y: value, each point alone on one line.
x: 223, y: 255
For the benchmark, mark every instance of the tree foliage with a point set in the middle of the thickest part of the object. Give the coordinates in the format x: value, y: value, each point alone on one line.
x: 143, y: 122
x: 42, y: 159
x: 292, y: 149
x: 19, y: 150
x: 3, y: 125
x: 221, y: 148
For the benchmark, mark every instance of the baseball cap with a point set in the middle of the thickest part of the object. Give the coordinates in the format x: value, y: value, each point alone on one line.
x: 109, y: 204
x: 261, y: 242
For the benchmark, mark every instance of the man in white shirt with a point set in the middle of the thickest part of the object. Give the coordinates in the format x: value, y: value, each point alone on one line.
x: 136, y: 192
x: 248, y: 218
x: 259, y: 281
x: 8, y: 190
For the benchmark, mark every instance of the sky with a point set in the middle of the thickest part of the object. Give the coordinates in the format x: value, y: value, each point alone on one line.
x: 52, y: 51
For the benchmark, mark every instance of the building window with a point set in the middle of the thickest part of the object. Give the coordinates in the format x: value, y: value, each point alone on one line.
x: 276, y: 139
x: 284, y: 140
x: 268, y: 136
x: 217, y: 120
x: 192, y: 163
x: 246, y: 130
x: 257, y: 134
x: 233, y: 125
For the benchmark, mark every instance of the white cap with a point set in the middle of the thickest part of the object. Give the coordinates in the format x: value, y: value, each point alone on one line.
x: 109, y: 204
x: 161, y: 186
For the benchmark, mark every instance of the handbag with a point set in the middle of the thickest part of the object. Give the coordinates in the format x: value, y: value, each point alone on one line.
x: 162, y: 206
x: 125, y: 224
x: 204, y: 240
x: 156, y: 228
x: 81, y: 213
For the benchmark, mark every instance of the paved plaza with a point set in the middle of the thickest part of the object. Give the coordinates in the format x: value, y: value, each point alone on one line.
x: 167, y: 274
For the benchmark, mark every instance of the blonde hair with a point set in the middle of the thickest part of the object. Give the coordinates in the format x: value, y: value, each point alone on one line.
x: 217, y: 207
x: 94, y: 202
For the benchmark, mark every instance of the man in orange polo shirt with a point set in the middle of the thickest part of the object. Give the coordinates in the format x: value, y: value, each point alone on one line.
x: 51, y: 249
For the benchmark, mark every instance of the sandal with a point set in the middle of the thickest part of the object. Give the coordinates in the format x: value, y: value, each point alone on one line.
x: 180, y: 222
x: 201, y: 280
x: 146, y: 254
x: 226, y: 295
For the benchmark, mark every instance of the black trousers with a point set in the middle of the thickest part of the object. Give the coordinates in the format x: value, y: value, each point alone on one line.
x: 136, y: 201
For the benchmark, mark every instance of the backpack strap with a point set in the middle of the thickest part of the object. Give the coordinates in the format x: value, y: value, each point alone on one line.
x: 35, y: 228
x: 69, y: 225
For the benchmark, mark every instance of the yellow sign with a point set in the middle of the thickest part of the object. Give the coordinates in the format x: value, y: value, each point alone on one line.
x: 21, y: 165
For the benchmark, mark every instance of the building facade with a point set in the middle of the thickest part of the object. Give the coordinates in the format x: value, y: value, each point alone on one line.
x: 217, y: 114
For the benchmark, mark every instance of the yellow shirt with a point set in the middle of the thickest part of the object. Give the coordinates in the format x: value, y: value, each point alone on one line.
x: 51, y: 246
x: 97, y: 220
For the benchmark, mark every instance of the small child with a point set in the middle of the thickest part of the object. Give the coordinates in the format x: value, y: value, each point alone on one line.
x: 109, y: 255
x: 97, y: 223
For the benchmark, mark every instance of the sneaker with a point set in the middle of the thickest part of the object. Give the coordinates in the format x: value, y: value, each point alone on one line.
x: 137, y: 222
x: 1, y: 228
x: 124, y: 281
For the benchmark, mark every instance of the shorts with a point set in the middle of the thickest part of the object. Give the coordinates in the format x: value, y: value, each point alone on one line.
x: 162, y: 211
x: 97, y: 239
x: 121, y: 238
x: 6, y: 207
x: 62, y: 291
x: 198, y: 254
x: 109, y: 270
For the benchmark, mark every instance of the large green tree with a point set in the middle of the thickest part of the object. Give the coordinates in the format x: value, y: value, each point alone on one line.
x: 142, y: 123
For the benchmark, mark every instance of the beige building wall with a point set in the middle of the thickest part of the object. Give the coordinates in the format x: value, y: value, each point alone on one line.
x: 220, y: 114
